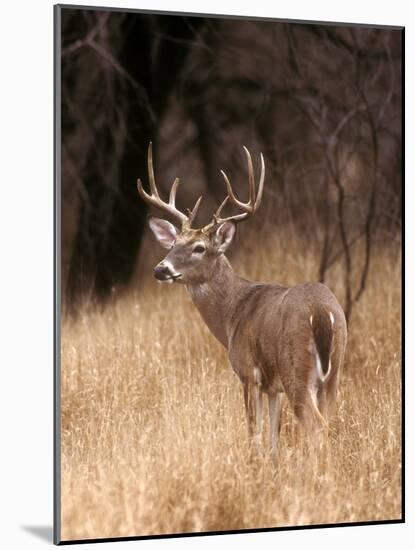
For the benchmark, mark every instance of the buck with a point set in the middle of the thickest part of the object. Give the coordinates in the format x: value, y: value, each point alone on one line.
x: 279, y: 340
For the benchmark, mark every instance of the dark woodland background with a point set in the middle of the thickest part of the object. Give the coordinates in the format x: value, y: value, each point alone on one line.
x: 322, y: 102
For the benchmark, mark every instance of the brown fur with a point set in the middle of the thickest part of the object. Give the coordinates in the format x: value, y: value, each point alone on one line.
x: 266, y: 328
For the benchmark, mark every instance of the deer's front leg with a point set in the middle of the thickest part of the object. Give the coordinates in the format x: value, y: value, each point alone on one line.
x: 253, y: 408
x: 257, y: 397
x: 249, y: 413
x: 274, y: 408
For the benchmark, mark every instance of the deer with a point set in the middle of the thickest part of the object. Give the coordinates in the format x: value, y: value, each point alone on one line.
x: 280, y: 340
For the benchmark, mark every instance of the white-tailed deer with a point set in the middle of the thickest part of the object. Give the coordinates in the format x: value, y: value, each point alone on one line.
x: 279, y: 339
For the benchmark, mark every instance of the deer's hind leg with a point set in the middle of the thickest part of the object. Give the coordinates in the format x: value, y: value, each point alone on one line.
x: 328, y: 393
x: 253, y: 406
x: 274, y: 409
x: 258, y: 403
x: 301, y: 386
x: 310, y: 417
x: 249, y: 411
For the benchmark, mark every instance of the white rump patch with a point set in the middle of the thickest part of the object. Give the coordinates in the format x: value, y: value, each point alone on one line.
x: 318, y: 367
x: 311, y: 320
x: 331, y: 318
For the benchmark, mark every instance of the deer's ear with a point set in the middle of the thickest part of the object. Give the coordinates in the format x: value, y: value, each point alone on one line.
x: 224, y: 235
x: 164, y: 231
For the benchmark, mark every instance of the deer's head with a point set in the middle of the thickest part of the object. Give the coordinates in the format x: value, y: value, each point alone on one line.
x: 193, y: 253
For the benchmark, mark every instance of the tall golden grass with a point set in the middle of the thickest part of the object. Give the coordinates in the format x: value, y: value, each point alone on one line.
x: 153, y: 428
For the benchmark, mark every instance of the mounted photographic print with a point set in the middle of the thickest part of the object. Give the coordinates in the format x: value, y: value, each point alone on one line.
x: 228, y: 231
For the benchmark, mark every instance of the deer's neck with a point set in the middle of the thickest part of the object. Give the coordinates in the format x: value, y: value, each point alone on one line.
x: 217, y: 298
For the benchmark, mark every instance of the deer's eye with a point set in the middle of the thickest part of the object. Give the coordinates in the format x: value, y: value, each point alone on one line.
x: 199, y: 249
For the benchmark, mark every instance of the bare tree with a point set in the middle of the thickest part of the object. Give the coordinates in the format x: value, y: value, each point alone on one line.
x: 117, y: 78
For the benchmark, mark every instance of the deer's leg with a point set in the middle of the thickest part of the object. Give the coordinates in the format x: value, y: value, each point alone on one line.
x: 301, y: 384
x: 257, y: 398
x: 310, y: 418
x: 274, y: 408
x: 248, y: 408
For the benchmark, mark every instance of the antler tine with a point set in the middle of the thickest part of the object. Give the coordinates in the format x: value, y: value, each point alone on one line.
x: 218, y: 219
x: 249, y: 208
x: 154, y: 199
x: 250, y: 176
x: 216, y: 215
x: 261, y: 183
x: 151, y: 177
x: 193, y: 213
x: 143, y: 193
x: 230, y: 190
x: 173, y: 191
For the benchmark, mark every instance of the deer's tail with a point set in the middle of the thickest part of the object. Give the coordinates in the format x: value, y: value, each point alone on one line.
x: 322, y: 322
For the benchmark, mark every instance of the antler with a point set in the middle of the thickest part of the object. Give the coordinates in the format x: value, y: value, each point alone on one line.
x: 249, y: 208
x: 155, y: 200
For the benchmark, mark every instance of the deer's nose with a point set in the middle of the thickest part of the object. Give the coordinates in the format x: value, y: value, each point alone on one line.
x: 162, y: 272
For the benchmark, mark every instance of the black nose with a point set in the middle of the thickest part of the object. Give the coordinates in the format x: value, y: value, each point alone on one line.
x: 161, y: 272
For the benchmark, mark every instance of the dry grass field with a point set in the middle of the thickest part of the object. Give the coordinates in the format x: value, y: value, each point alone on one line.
x: 153, y: 428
